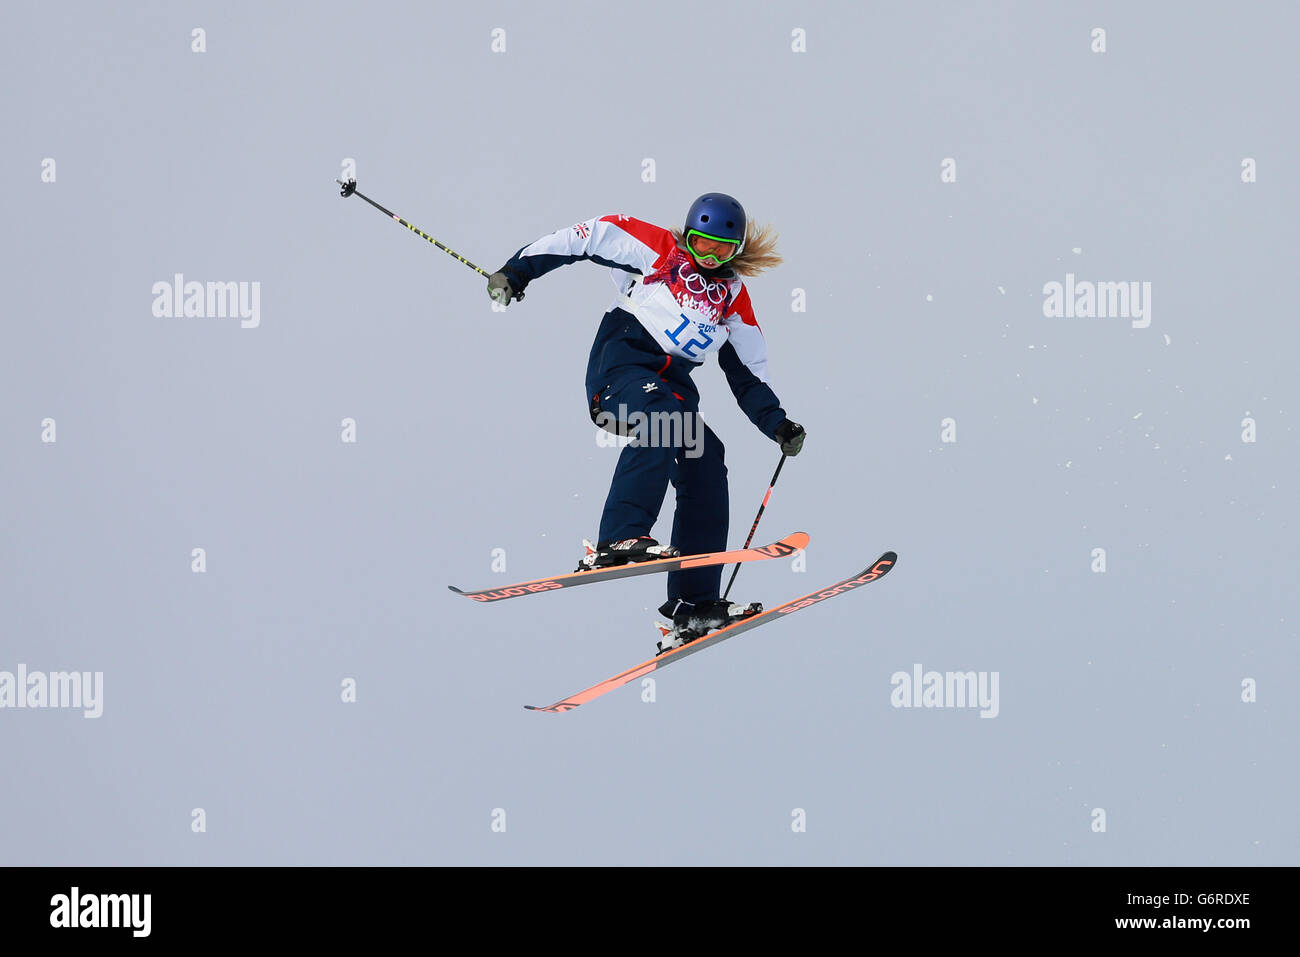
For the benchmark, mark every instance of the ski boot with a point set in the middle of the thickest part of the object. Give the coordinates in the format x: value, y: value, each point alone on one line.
x: 694, y: 621
x: 643, y: 549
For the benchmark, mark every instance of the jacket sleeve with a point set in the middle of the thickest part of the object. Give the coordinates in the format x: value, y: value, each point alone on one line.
x: 618, y: 241
x: 743, y: 359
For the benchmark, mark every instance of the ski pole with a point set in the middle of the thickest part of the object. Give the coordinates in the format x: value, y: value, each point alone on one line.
x: 754, y: 527
x: 350, y: 188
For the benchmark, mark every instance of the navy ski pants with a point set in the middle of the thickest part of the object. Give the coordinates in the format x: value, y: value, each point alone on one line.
x: 628, y: 374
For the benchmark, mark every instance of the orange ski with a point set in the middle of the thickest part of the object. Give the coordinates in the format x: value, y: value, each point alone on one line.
x: 878, y: 570
x: 786, y: 546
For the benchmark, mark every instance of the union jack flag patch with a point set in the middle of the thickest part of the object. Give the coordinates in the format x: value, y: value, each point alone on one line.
x: 582, y: 230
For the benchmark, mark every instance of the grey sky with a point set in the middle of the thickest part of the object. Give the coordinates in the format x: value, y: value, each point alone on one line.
x: 328, y: 561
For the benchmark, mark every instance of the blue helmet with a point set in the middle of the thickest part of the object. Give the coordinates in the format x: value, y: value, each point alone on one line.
x: 719, y: 218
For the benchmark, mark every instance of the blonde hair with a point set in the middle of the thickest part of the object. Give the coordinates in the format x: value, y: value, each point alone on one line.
x: 759, y: 253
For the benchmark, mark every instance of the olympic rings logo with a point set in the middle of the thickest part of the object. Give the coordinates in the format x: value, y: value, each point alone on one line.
x: 697, y: 285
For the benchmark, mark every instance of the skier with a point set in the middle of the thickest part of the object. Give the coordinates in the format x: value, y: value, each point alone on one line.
x: 680, y: 299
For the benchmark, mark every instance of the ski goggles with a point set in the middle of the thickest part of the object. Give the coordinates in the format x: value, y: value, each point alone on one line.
x: 711, y: 250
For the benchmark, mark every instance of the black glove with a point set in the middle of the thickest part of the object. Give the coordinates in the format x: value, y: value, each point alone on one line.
x: 499, y: 289
x: 791, y: 436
